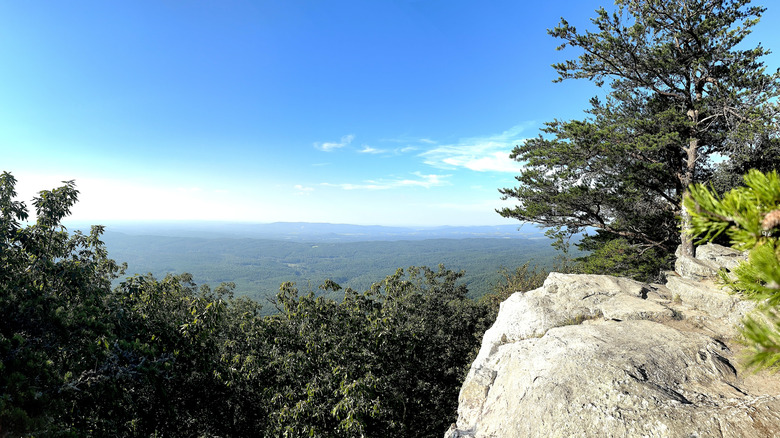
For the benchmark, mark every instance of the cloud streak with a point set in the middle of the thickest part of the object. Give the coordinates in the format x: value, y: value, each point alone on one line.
x: 422, y: 180
x: 369, y: 150
x: 331, y: 146
x: 303, y: 190
x: 480, y: 154
x: 387, y: 152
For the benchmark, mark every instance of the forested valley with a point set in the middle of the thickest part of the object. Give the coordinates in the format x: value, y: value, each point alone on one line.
x: 259, y: 266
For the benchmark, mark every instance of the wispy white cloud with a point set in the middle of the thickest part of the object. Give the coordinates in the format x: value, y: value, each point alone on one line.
x: 480, y: 154
x: 422, y: 180
x: 410, y: 142
x: 369, y: 150
x: 303, y: 190
x: 385, y: 151
x: 331, y: 146
x: 481, y: 159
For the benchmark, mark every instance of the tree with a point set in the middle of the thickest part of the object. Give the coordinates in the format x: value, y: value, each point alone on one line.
x: 619, y: 256
x: 53, y: 288
x: 522, y: 279
x: 78, y: 359
x: 387, y: 362
x: 761, y: 153
x: 682, y: 92
x: 750, y: 217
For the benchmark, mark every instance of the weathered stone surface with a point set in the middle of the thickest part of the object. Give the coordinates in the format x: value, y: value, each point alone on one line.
x: 616, y: 379
x: 622, y: 307
x: 709, y: 259
x: 600, y: 356
x: 718, y: 256
x: 693, y: 269
x: 708, y: 297
x: 559, y: 302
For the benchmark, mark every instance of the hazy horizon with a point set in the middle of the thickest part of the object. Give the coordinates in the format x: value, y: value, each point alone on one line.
x: 80, y: 222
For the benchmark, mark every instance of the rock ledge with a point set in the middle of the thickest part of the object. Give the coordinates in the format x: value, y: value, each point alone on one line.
x: 601, y: 356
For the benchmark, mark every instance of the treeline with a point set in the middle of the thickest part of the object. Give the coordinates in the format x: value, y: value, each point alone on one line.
x: 163, y: 357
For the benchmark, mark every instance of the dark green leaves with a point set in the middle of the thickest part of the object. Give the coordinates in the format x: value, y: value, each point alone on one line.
x: 163, y: 357
x: 683, y: 95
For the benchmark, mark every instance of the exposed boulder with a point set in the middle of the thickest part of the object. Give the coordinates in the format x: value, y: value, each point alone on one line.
x: 717, y: 256
x: 709, y: 259
x: 708, y: 297
x: 568, y: 299
x: 693, y: 268
x: 601, y: 356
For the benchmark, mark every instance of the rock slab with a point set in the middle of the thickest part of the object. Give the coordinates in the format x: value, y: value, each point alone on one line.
x: 601, y: 356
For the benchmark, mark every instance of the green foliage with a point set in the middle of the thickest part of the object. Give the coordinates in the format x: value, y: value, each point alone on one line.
x: 750, y: 217
x: 521, y: 279
x: 386, y: 362
x: 169, y: 347
x: 683, y: 92
x: 740, y: 213
x: 761, y: 153
x: 617, y: 256
x: 259, y: 266
x: 52, y: 293
x: 612, y: 173
x: 163, y: 357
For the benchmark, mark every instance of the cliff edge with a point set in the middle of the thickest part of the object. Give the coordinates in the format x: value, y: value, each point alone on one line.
x: 602, y: 356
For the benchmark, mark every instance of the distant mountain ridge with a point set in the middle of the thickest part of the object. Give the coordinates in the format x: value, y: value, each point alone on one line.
x: 315, y: 231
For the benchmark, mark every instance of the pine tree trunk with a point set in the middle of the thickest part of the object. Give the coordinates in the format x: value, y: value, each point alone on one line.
x: 686, y: 241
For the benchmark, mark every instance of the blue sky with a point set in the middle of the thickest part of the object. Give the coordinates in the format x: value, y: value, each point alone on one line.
x: 366, y: 112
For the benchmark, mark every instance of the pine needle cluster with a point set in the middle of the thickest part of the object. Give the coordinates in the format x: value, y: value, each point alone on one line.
x: 750, y: 217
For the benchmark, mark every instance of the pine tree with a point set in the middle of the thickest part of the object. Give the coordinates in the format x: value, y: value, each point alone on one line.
x: 683, y: 90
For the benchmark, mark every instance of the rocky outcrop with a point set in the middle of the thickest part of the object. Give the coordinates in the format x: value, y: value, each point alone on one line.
x: 709, y: 259
x: 601, y: 356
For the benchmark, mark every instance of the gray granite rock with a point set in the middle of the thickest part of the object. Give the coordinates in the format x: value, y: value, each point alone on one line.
x: 717, y: 256
x: 601, y: 356
x: 614, y: 379
x: 693, y: 268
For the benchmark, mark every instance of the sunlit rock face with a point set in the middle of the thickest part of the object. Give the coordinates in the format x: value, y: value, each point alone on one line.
x: 601, y: 356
